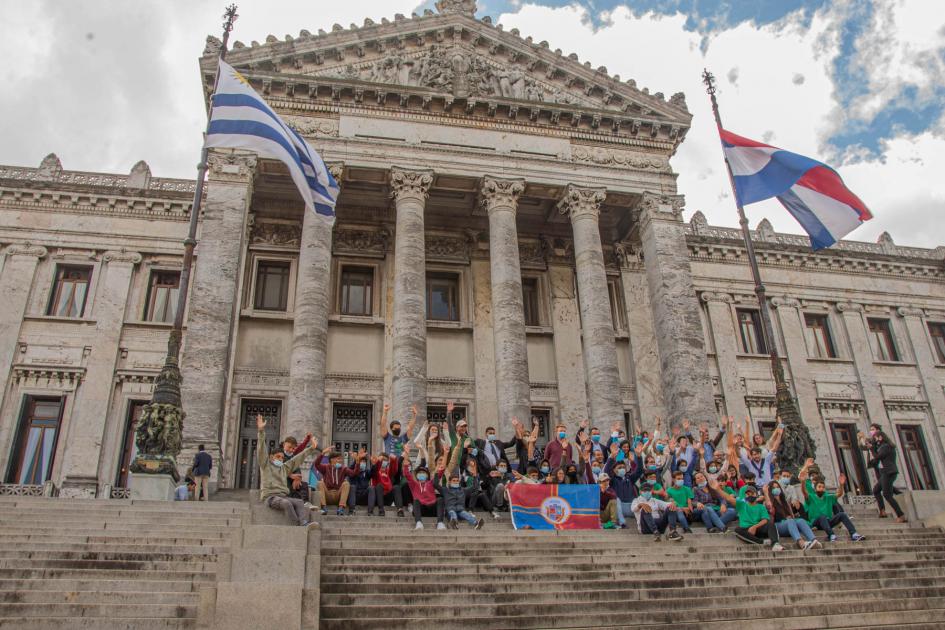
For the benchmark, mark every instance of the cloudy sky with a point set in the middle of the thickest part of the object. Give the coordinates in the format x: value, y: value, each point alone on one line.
x: 859, y: 84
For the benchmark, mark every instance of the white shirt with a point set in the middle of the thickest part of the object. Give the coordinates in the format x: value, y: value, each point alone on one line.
x: 657, y: 507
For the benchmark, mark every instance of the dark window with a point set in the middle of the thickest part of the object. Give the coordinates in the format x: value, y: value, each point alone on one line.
x: 163, y: 289
x: 351, y: 427
x: 129, y: 449
x: 850, y: 457
x: 881, y: 340
x: 443, y: 297
x: 357, y: 291
x: 437, y: 413
x: 247, y: 468
x: 918, y: 463
x: 819, y: 341
x: 766, y: 428
x: 617, y: 309
x: 70, y: 291
x: 530, y: 301
x: 750, y: 332
x: 35, y: 447
x: 938, y: 341
x: 541, y: 417
x: 272, y: 285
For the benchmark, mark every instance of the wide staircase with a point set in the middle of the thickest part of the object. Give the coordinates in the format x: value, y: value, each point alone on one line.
x: 105, y: 565
x: 380, y: 573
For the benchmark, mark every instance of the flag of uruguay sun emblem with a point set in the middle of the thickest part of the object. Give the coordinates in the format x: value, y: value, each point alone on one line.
x: 555, y: 510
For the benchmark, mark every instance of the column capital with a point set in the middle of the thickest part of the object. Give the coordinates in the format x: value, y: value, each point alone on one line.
x: 710, y: 296
x: 406, y: 183
x: 579, y: 201
x: 785, y: 302
x: 850, y: 307
x: 121, y: 256
x: 26, y: 249
x: 229, y: 166
x: 337, y: 170
x: 660, y: 206
x: 909, y: 311
x: 498, y: 192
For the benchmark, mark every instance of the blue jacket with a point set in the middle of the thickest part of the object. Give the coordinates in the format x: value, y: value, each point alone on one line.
x: 626, y: 486
x: 203, y: 463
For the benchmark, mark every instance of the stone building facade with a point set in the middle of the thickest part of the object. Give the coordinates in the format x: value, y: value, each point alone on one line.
x: 508, y: 236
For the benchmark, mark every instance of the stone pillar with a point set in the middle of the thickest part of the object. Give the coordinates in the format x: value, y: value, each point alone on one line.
x: 569, y: 360
x: 500, y: 199
x: 306, y: 409
x: 15, y: 284
x: 80, y: 467
x: 487, y: 407
x: 722, y: 330
x: 925, y: 362
x: 854, y: 321
x: 684, y: 368
x: 213, y: 306
x: 600, y: 349
x: 409, y: 189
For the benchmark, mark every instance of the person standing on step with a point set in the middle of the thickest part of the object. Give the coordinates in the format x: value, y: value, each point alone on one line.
x: 383, y: 489
x: 334, y: 487
x: 203, y: 464
x: 360, y: 493
x: 559, y: 452
x: 882, y: 459
x: 393, y: 435
x: 273, y: 476
x: 819, y: 505
x: 426, y: 500
x: 654, y: 516
x: 755, y: 522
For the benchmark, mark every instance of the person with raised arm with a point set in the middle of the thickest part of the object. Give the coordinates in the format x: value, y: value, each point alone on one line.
x: 274, y: 473
x: 426, y: 501
x: 393, y: 435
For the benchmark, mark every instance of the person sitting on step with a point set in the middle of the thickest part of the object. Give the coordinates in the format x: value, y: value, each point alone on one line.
x: 474, y: 486
x: 360, y: 493
x: 496, y: 483
x: 273, y: 476
x: 681, y: 496
x: 654, y: 516
x: 426, y: 500
x: 755, y: 523
x: 531, y: 477
x: 786, y: 520
x: 334, y: 487
x: 819, y: 505
x: 792, y: 492
x: 608, y: 502
x: 651, y: 477
x: 454, y: 499
x: 383, y: 489
x: 298, y: 488
x: 706, y: 506
x: 624, y: 483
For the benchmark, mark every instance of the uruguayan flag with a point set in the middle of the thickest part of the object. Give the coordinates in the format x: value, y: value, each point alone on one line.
x: 241, y: 119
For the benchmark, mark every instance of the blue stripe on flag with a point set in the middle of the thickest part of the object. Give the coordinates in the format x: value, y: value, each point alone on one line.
x: 820, y: 237
x: 778, y: 175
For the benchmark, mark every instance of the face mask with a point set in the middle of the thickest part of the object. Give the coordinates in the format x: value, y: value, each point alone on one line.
x: 615, y: 435
x: 491, y: 437
x: 660, y: 448
x: 287, y: 453
x: 679, y: 483
x: 775, y: 492
x: 652, y: 482
x: 474, y: 452
x: 545, y: 470
x: 646, y: 440
x: 385, y: 464
x: 652, y: 467
x: 713, y: 469
x: 595, y: 438
x: 646, y: 495
x: 277, y: 463
x: 422, y: 477
x: 502, y: 470
x: 363, y: 466
x: 683, y: 468
x: 621, y: 472
x: 338, y: 465
x: 785, y: 480
x: 703, y: 484
x: 454, y: 484
x: 396, y: 432
x: 562, y: 435
x: 595, y: 470
x: 751, y: 498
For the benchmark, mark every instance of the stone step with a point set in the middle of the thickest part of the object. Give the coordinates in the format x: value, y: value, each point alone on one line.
x: 118, y: 539
x: 101, y: 508
x: 105, y: 585
x: 51, y: 573
x: 111, y: 546
x: 97, y: 623
x: 924, y: 620
x: 29, y: 556
x: 100, y: 596
x: 108, y: 611
x: 110, y: 565
x: 94, y: 520
x: 162, y: 506
x: 118, y: 528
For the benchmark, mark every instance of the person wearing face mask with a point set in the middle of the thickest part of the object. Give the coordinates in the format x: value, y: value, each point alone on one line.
x: 544, y: 469
x: 273, y: 477
x: 681, y: 495
x: 679, y: 465
x: 624, y: 475
x: 476, y: 492
x: 819, y: 505
x: 360, y: 491
x: 883, y: 460
x: 560, y: 451
x: 707, y: 506
x: 755, y: 522
x: 426, y: 500
x: 492, y: 450
x: 714, y: 467
x: 655, y: 516
x: 334, y: 486
x: 383, y: 490
x: 786, y: 520
x: 792, y: 492
x: 608, y: 502
x: 496, y: 483
x: 454, y: 499
x: 392, y: 435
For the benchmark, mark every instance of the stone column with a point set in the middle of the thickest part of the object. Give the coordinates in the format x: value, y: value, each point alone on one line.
x: 684, y: 368
x: 854, y: 321
x: 213, y: 306
x: 15, y: 284
x: 600, y: 349
x: 722, y: 330
x: 500, y: 199
x: 487, y: 407
x: 569, y: 360
x: 409, y: 189
x: 305, y: 409
x: 80, y: 467
x: 925, y: 362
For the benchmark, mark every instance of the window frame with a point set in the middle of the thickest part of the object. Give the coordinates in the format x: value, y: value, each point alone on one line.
x: 887, y: 343
x: 618, y: 306
x: 938, y: 341
x: 456, y: 302
x: 928, y: 480
x: 56, y: 292
x: 829, y: 351
x: 21, y: 439
x: 535, y: 310
x: 128, y: 449
x: 258, y: 263
x: 148, y: 315
x: 759, y: 337
x: 369, y: 300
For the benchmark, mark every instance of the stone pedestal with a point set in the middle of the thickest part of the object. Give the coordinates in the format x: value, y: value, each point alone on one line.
x: 152, y: 487
x: 600, y: 348
x: 409, y: 381
x: 500, y: 198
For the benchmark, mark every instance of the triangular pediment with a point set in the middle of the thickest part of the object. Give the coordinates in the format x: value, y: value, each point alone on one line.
x: 455, y: 55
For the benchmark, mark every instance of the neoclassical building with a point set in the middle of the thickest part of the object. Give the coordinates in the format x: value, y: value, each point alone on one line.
x: 508, y: 236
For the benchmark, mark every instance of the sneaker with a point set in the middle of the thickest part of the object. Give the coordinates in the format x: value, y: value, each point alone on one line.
x: 400, y: 512
x: 745, y: 538
x: 351, y: 511
x: 833, y: 538
x: 323, y: 511
x: 454, y: 524
x: 810, y: 544
x: 340, y: 512
x: 441, y: 525
x: 713, y: 530
x: 815, y: 544
x: 480, y: 523
x: 370, y: 512
x: 305, y: 523
x: 687, y: 530
x: 496, y: 515
x: 657, y: 538
x: 419, y: 525
x: 675, y: 536
x: 777, y: 547
x: 380, y: 512
x: 623, y: 526
x: 607, y: 525
x: 308, y: 506
x: 410, y: 508
x: 858, y: 537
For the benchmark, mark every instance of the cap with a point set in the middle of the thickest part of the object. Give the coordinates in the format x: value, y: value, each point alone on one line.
x: 603, y: 477
x: 462, y: 423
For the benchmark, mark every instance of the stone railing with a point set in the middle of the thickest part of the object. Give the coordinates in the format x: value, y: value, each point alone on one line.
x: 47, y: 489
x: 98, y: 180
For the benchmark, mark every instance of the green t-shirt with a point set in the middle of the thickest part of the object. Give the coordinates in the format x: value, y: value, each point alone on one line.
x: 819, y: 506
x: 750, y: 514
x: 680, y: 496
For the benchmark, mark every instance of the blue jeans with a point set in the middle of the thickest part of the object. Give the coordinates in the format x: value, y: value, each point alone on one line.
x: 729, y: 516
x: 464, y: 515
x: 681, y: 519
x: 796, y: 528
x: 828, y: 525
x: 710, y: 518
x: 623, y: 511
x: 650, y: 525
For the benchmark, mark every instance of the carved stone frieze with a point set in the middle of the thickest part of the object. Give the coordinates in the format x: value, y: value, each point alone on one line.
x: 615, y: 157
x: 311, y: 126
x: 448, y: 247
x: 408, y: 183
x: 627, y: 256
x: 360, y: 241
x: 26, y: 249
x: 122, y: 256
x: 355, y: 381
x: 653, y: 205
x: 445, y: 385
x: 532, y: 254
x: 231, y: 167
x: 500, y: 193
x: 277, y: 234
x: 259, y: 377
x: 557, y: 250
x: 462, y: 7
x: 579, y: 201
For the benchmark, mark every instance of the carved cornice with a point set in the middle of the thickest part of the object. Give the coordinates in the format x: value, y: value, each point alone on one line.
x: 447, y: 247
x: 499, y: 193
x: 657, y: 206
x: 310, y: 126
x: 277, y: 234
x: 627, y: 256
x: 785, y: 302
x: 26, y: 249
x: 408, y: 183
x: 850, y: 307
x: 908, y: 311
x: 532, y: 254
x: 462, y: 7
x: 231, y: 167
x: 605, y: 156
x: 121, y: 256
x: 709, y: 296
x: 366, y: 241
x: 582, y: 202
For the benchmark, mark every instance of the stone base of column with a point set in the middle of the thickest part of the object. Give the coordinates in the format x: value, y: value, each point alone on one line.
x: 152, y: 487
x: 79, y: 487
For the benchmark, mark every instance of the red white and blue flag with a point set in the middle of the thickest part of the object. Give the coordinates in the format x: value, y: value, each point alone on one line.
x: 550, y: 506
x: 810, y: 190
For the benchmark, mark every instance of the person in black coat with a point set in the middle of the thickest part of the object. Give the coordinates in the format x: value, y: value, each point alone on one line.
x: 883, y: 459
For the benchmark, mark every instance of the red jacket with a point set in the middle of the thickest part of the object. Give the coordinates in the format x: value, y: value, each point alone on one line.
x: 382, y: 477
x: 423, y: 491
x: 334, y: 477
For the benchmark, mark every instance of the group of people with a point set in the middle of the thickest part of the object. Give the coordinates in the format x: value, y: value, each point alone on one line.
x: 664, y: 482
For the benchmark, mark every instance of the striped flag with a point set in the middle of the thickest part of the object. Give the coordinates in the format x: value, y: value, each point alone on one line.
x: 552, y: 506
x: 241, y: 119
x: 810, y: 190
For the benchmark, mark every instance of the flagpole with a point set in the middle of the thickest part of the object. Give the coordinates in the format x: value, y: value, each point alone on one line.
x: 796, y: 443
x: 158, y: 434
